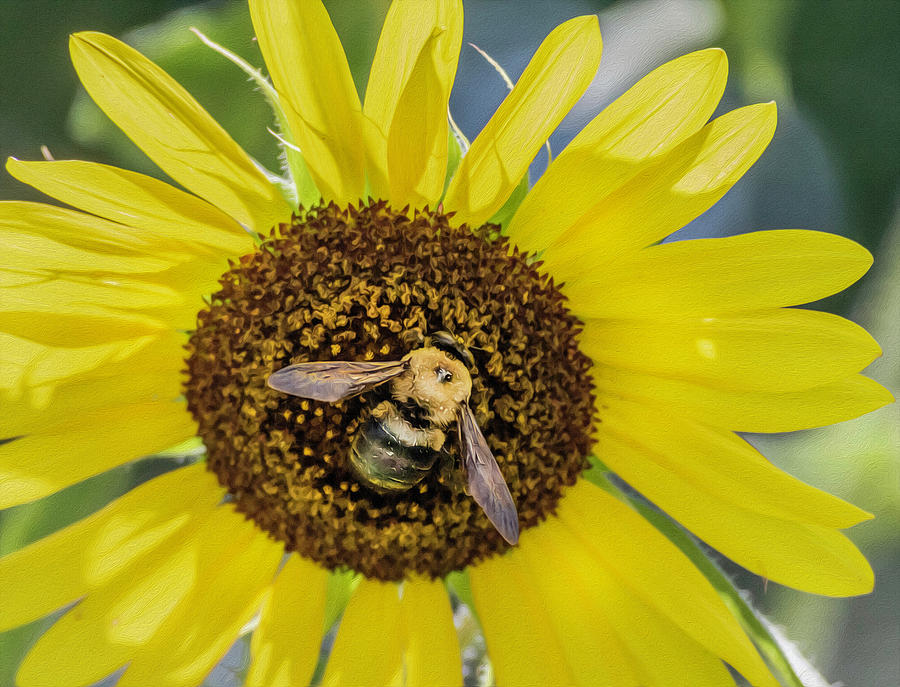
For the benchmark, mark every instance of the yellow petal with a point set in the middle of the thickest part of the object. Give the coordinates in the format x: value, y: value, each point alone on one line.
x: 308, y: 66
x: 762, y: 269
x: 664, y: 197
x: 192, y: 280
x: 174, y: 130
x: 43, y: 243
x: 407, y: 98
x: 38, y: 417
x: 72, y: 309
x: 659, y: 575
x: 432, y: 650
x: 106, y: 629
x: 559, y: 72
x: 228, y: 589
x: 161, y: 212
x: 80, y: 230
x: 40, y: 464
x: 368, y: 649
x: 714, y: 462
x: 768, y: 350
x: 595, y: 652
x: 60, y: 568
x: 748, y: 411
x: 152, y: 371
x: 90, y: 327
x: 25, y: 364
x: 76, y: 311
x: 27, y: 251
x: 684, y: 469
x: 521, y: 640
x: 165, y: 616
x: 612, y: 636
x: 662, y: 109
x: 650, y: 119
x: 38, y: 236
x: 285, y: 645
x: 35, y: 292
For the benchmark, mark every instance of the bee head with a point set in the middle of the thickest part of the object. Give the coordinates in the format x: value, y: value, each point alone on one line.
x: 436, y: 381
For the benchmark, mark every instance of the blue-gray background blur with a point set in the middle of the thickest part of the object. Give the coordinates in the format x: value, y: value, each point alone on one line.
x: 833, y: 69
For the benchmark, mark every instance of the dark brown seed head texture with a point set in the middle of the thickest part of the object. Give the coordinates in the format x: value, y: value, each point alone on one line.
x: 366, y: 283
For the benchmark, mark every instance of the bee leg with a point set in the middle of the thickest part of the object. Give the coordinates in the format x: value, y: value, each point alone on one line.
x: 433, y: 438
x: 451, y: 474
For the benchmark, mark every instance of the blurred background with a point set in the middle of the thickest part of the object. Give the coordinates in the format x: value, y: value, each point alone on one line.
x: 833, y: 69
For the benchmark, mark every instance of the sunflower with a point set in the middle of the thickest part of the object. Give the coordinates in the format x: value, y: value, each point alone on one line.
x: 153, y: 314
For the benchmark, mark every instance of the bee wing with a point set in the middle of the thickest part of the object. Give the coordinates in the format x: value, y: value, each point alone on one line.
x: 333, y: 380
x: 486, y: 483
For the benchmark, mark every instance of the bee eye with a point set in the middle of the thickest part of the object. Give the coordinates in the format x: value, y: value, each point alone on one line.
x: 443, y: 375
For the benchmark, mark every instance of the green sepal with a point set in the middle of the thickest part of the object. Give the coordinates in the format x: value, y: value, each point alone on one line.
x: 457, y: 582
x: 504, y: 215
x: 301, y: 189
x: 454, y: 157
x: 340, y: 587
x: 304, y: 186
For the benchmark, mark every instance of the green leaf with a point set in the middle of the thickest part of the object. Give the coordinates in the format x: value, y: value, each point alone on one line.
x: 15, y: 643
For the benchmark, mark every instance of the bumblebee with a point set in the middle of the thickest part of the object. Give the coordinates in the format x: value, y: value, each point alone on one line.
x: 403, y: 438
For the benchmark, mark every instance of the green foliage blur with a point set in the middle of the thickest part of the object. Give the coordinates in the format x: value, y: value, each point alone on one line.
x: 832, y: 66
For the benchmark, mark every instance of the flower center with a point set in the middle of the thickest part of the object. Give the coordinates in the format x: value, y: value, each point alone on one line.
x: 370, y: 284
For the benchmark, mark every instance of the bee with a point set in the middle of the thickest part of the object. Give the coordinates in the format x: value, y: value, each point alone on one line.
x: 404, y: 435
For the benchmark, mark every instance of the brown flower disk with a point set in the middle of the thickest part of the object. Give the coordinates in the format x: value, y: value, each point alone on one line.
x: 363, y: 284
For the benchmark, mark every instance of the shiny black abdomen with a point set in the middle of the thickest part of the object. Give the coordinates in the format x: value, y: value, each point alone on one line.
x: 384, y: 463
